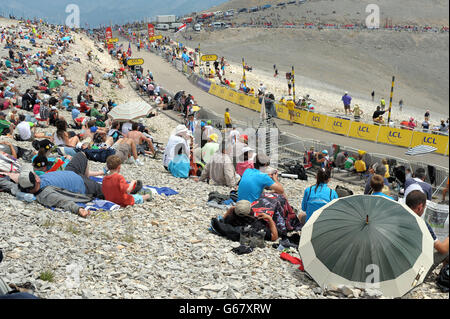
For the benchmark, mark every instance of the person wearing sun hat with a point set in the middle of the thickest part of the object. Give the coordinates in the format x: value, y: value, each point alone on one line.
x: 210, y: 148
x: 179, y: 139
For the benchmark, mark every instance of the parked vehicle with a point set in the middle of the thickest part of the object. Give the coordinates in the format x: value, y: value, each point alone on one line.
x: 165, y: 19
x: 218, y: 14
x: 253, y: 9
x: 188, y: 20
x: 163, y: 27
x: 267, y: 6
x: 197, y: 27
x: 219, y: 25
x: 243, y: 10
x: 176, y: 25
x: 230, y: 13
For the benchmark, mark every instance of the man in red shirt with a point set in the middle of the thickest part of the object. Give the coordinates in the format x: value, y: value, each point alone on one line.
x: 117, y: 190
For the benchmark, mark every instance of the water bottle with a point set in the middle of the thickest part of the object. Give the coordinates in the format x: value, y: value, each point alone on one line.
x: 25, y: 197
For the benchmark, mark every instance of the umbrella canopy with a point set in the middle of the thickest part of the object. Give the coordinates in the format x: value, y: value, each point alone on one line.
x: 54, y: 84
x: 420, y: 150
x: 130, y: 111
x: 367, y: 242
x: 66, y: 39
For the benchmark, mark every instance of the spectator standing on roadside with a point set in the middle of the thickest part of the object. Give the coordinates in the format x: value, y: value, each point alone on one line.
x: 347, y: 100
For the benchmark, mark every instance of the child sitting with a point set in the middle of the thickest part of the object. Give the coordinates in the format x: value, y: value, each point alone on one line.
x: 117, y: 190
x: 360, y: 165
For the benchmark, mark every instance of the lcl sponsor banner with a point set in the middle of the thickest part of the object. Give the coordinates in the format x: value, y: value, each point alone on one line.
x: 316, y: 120
x: 364, y: 131
x: 394, y: 136
x: 435, y: 140
x: 300, y: 116
x: 337, y: 125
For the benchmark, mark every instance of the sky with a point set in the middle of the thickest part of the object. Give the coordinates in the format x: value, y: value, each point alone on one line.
x: 101, y: 12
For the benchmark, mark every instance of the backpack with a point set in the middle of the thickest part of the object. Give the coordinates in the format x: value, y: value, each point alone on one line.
x: 442, y: 280
x: 296, y: 168
x: 343, y: 191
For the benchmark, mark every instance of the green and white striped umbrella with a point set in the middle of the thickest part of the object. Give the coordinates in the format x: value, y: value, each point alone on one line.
x: 367, y: 242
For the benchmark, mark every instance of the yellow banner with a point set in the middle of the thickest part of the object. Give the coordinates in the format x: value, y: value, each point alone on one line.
x: 131, y: 62
x: 394, y: 136
x: 338, y: 126
x: 435, y: 140
x: 232, y: 96
x: 364, y: 131
x: 316, y: 120
x: 253, y: 104
x: 209, y: 57
x: 214, y: 89
x: 222, y: 92
x: 156, y: 37
x: 283, y: 113
x: 243, y: 99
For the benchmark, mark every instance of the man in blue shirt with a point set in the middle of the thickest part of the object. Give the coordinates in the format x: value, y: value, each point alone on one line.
x: 417, y: 201
x: 253, y: 181
x: 75, y: 179
x: 76, y: 112
x: 347, y: 99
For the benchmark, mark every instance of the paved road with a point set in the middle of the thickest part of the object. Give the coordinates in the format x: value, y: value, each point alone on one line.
x: 170, y: 79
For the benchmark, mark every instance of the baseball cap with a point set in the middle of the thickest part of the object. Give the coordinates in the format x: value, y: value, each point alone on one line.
x: 46, y: 144
x: 40, y: 161
x: 243, y: 208
x: 325, y: 152
x: 27, y: 181
x: 214, y: 137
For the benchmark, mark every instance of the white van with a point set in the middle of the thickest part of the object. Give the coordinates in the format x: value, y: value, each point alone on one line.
x: 197, y: 27
x: 164, y: 27
x: 218, y: 14
x: 218, y: 25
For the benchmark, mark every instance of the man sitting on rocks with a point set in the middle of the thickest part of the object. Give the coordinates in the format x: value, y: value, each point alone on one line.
x: 254, y: 181
x: 220, y: 170
x: 142, y: 142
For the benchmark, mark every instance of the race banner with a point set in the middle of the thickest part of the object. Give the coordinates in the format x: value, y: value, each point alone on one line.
x: 108, y: 36
x: 151, y: 32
